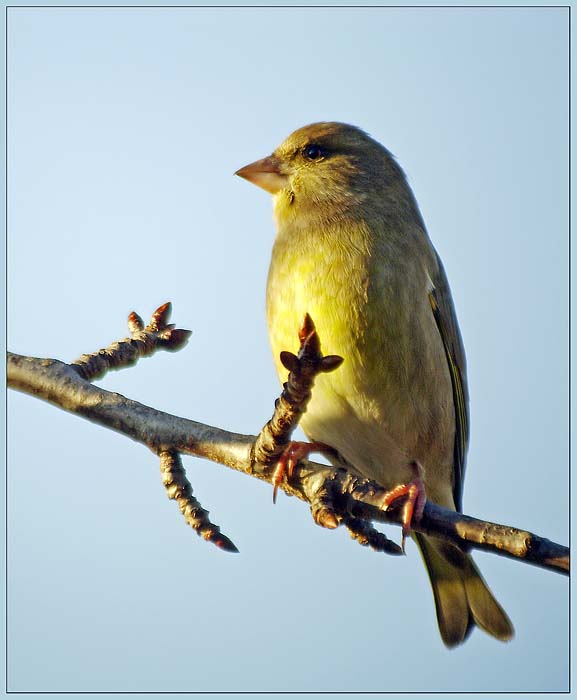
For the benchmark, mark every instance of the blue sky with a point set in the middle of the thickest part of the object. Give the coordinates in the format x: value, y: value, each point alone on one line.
x: 125, y: 127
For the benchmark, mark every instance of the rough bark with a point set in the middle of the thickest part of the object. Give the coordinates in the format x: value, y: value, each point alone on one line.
x: 335, y: 495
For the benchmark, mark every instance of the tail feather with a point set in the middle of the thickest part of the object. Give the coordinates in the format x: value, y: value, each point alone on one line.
x: 462, y: 598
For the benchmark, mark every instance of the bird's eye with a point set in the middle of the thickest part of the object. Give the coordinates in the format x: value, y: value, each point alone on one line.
x: 314, y: 152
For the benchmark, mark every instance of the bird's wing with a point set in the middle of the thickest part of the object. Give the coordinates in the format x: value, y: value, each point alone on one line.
x: 446, y: 319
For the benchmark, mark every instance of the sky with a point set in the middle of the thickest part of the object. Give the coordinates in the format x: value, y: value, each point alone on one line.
x: 125, y: 126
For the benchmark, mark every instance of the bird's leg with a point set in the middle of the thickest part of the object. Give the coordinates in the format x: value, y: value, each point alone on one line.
x: 291, y: 456
x: 416, y: 497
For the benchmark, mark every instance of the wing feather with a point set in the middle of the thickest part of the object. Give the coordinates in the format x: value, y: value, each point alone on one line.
x: 446, y: 320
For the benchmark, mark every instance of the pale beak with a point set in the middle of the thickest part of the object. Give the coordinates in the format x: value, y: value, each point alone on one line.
x: 266, y: 173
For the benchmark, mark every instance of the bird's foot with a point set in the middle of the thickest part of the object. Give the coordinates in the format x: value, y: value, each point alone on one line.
x: 416, y: 497
x: 291, y: 456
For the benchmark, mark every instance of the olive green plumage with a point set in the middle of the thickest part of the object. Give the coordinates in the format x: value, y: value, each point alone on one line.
x: 353, y: 252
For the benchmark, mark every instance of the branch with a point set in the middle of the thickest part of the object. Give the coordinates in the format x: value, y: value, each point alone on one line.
x: 351, y: 500
x: 143, y: 342
x: 178, y: 488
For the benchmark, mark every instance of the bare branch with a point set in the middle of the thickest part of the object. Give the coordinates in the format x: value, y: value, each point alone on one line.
x: 366, y: 535
x: 62, y: 386
x: 144, y: 341
x: 292, y: 403
x: 336, y: 495
x: 178, y: 488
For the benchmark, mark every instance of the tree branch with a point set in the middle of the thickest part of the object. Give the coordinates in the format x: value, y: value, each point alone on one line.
x: 143, y: 342
x: 353, y: 501
x: 179, y: 489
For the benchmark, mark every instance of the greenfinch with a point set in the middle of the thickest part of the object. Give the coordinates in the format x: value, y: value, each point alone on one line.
x: 353, y: 252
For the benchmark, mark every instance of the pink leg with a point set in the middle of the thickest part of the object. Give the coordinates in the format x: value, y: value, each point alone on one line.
x: 416, y: 498
x: 293, y: 453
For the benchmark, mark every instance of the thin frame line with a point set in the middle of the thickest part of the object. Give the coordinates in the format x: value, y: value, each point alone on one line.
x: 273, y: 7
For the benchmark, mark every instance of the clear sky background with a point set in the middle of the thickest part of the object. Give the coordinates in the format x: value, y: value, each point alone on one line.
x: 125, y: 129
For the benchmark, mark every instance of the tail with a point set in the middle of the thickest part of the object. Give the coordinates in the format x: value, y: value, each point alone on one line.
x: 462, y: 597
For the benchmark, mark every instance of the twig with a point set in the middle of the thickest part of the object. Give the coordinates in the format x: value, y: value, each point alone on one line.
x: 60, y: 385
x: 335, y: 494
x: 292, y: 403
x: 144, y: 341
x: 178, y: 487
x: 367, y: 536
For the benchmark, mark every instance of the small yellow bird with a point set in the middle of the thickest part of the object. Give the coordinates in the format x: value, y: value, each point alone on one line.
x: 352, y: 251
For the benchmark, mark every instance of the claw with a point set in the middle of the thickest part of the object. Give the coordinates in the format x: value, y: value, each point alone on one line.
x: 416, y: 497
x: 292, y: 455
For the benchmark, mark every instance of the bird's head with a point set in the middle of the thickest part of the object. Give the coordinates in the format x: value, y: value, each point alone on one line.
x: 326, y: 166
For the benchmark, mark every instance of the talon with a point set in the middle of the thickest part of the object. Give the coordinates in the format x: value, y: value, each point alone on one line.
x: 416, y: 497
x: 292, y: 455
x: 276, y: 479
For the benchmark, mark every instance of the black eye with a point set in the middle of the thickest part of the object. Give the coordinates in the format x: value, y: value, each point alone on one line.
x: 314, y: 152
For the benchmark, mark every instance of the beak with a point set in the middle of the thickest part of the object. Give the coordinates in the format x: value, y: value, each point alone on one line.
x: 266, y: 173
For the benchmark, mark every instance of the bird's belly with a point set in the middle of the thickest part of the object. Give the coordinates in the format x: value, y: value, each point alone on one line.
x: 360, y: 431
x: 390, y: 402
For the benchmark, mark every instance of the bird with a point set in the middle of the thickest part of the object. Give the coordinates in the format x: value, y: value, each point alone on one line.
x: 352, y: 252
